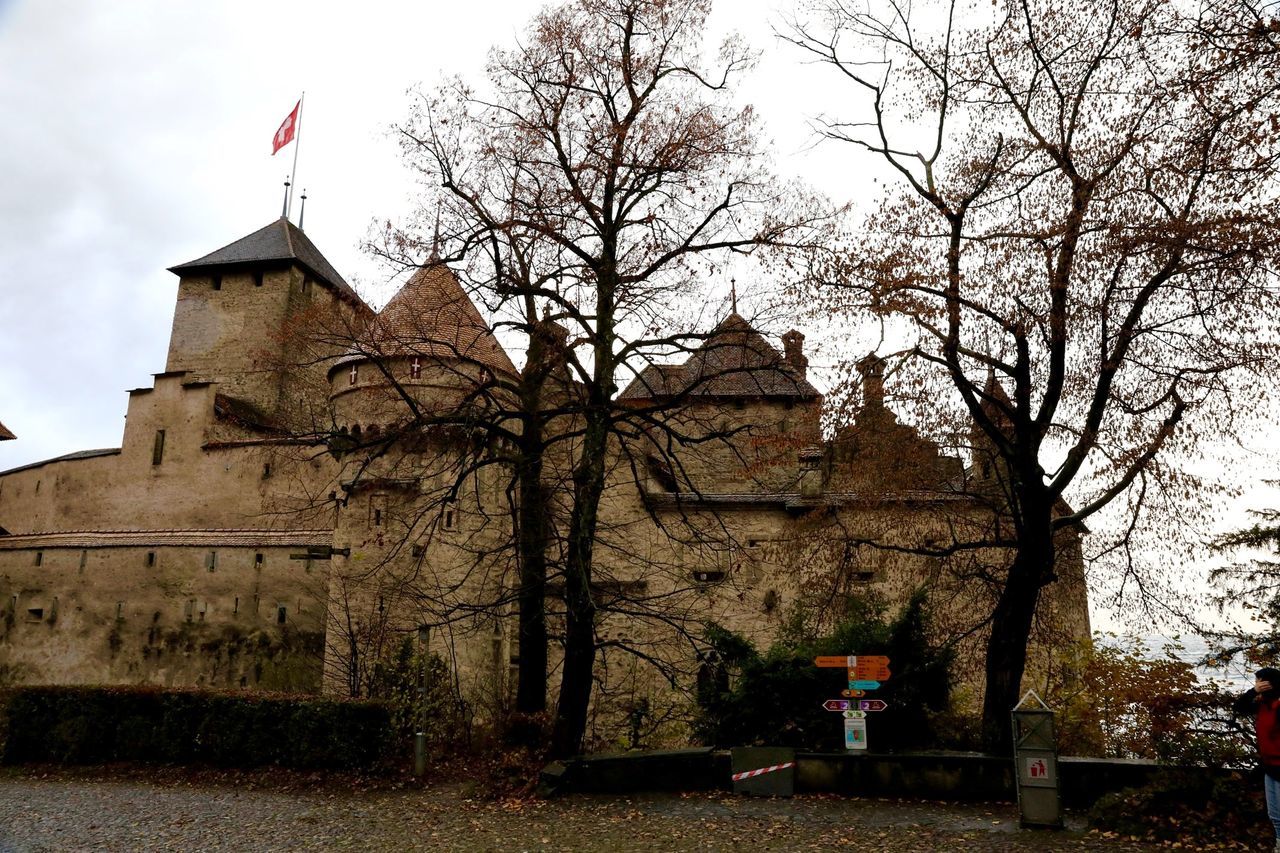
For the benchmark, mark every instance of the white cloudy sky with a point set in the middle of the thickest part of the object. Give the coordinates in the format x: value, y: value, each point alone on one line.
x: 135, y: 135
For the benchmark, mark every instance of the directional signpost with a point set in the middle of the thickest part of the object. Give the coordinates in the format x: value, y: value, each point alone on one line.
x: 865, y: 672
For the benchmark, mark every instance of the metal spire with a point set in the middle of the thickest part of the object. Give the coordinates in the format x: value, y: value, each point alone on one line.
x: 284, y: 208
x: 733, y: 293
x: 302, y: 214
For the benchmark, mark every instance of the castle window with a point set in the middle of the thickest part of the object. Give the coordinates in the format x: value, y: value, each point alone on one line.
x: 415, y: 368
x: 84, y: 559
x: 39, y: 558
x: 157, y: 449
x: 354, y: 374
x: 211, y: 561
x: 377, y: 518
x: 217, y: 282
x: 151, y: 559
x: 35, y: 614
x: 708, y: 577
x: 257, y: 278
x: 266, y: 470
x: 281, y: 614
x: 235, y: 608
x: 450, y: 519
x: 415, y: 551
x: 119, y: 610
x: 257, y: 560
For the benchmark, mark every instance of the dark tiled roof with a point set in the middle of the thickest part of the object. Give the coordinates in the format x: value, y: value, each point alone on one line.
x: 278, y: 242
x: 734, y: 361
x: 79, y: 454
x: 431, y: 316
x: 242, y: 413
x: 5, y: 435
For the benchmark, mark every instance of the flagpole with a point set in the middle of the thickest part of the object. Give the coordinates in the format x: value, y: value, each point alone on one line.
x: 297, y: 143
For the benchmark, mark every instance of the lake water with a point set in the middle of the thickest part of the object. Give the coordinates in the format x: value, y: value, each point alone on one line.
x: 1237, y: 676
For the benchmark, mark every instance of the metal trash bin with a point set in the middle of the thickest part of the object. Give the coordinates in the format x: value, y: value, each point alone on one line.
x: 1035, y: 755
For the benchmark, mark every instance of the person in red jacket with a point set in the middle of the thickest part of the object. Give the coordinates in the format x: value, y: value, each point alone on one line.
x: 1262, y: 702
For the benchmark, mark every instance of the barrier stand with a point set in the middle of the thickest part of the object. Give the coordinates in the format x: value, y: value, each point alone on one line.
x: 1035, y: 756
x: 765, y: 771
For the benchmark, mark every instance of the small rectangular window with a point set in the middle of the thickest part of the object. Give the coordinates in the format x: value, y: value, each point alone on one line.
x: 151, y: 559
x: 257, y: 278
x: 157, y: 450
x: 119, y: 610
x: 266, y: 470
x: 39, y: 558
x: 235, y: 608
x: 257, y: 560
x: 35, y: 614
x: 84, y: 560
x: 211, y: 561
x: 377, y: 518
x: 217, y: 282
x: 708, y: 576
x: 450, y: 519
x: 280, y: 615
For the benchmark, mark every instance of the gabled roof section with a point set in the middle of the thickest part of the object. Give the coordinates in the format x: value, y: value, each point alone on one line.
x: 432, y: 316
x: 5, y: 435
x: 279, y: 243
x: 79, y: 454
x: 734, y: 361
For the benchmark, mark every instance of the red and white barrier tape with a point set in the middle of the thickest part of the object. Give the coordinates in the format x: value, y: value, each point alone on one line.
x: 747, y: 774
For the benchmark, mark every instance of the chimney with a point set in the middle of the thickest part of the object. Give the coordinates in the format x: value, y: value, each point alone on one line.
x: 872, y: 369
x: 793, y: 348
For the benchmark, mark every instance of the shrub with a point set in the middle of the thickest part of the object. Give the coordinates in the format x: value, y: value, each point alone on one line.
x: 89, y: 725
x: 1199, y: 810
x: 745, y: 698
x: 1116, y: 700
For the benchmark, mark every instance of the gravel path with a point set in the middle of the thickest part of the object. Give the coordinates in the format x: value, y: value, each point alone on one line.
x: 58, y: 812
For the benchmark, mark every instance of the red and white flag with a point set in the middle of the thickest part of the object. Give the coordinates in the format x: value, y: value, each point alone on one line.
x: 285, y: 134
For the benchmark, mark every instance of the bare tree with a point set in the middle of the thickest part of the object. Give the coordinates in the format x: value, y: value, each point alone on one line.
x: 584, y: 186
x: 1080, y: 231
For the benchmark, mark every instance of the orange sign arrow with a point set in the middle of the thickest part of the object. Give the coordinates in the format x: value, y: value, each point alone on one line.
x: 832, y: 660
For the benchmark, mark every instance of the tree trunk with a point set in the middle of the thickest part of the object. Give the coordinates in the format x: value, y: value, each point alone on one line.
x: 1011, y: 623
x: 580, y: 610
x: 531, y: 689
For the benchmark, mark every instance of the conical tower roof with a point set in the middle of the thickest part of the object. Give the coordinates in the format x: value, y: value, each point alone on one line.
x: 5, y: 435
x: 432, y: 316
x: 734, y: 361
x: 278, y: 244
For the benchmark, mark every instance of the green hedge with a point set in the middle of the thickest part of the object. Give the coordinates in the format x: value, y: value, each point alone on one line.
x: 93, y: 725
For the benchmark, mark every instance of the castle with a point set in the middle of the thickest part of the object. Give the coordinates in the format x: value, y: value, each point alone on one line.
x: 267, y: 523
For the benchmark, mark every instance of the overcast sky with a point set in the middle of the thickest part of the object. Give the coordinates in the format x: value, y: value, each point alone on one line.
x: 136, y: 135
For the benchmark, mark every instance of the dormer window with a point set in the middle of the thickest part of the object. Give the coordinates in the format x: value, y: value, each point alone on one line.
x: 415, y: 368
x: 355, y: 374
